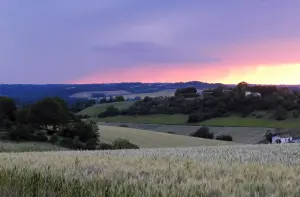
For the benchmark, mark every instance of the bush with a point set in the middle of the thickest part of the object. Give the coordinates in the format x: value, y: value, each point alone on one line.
x: 123, y: 144
x: 87, y: 131
x: 6, y: 123
x: 21, y: 132
x: 38, y: 137
x: 296, y: 113
x: 123, y: 125
x: 184, y: 91
x: 54, y: 139
x: 281, y: 113
x: 259, y: 116
x: 224, y: 137
x: 269, y: 135
x: 104, y: 146
x: 92, y: 144
x: 110, y: 111
x: 193, y: 118
x: 203, y: 132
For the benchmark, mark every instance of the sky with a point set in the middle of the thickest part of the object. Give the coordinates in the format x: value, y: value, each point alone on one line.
x: 108, y: 41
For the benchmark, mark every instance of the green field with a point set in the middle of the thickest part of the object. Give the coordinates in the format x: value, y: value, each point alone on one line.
x: 28, y: 147
x: 212, y: 171
x: 149, y: 119
x: 253, y: 122
x: 152, y: 139
x: 94, y: 110
x: 180, y: 119
x: 168, y: 93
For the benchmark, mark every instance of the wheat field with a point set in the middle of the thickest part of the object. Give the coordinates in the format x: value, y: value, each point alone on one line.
x: 152, y: 139
x: 238, y: 171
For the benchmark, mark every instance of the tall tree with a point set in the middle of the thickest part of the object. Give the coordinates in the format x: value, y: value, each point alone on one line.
x: 7, y: 108
x: 49, y: 111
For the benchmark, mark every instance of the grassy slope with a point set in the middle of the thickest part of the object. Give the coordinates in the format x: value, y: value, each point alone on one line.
x: 235, y: 121
x: 28, y: 147
x: 245, y: 135
x: 96, y: 109
x: 152, y: 139
x: 150, y: 119
x: 169, y: 92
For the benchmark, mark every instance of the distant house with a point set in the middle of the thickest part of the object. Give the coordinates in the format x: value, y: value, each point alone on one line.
x: 281, y: 139
x: 255, y: 94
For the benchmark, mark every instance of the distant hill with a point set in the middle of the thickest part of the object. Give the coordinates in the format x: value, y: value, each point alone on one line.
x: 28, y: 93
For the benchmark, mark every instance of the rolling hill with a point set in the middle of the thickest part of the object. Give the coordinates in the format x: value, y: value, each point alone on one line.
x: 94, y: 110
x: 152, y: 139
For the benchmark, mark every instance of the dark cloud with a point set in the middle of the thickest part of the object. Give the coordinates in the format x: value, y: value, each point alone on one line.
x: 60, y: 40
x: 135, y: 53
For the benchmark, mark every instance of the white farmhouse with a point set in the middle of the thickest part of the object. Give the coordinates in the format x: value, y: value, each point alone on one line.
x: 256, y: 94
x: 282, y: 139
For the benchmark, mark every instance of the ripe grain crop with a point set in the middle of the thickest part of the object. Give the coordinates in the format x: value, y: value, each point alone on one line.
x: 238, y: 171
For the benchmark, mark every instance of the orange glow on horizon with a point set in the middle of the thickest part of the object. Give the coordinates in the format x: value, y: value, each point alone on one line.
x: 287, y: 74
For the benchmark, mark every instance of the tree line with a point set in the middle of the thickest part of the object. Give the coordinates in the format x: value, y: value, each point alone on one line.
x: 218, y: 102
x: 50, y: 120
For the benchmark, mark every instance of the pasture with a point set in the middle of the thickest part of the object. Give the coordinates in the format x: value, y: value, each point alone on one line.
x: 164, y: 93
x: 28, y: 147
x: 178, y: 119
x: 245, y: 135
x: 94, y: 110
x: 238, y: 171
x: 231, y: 121
x: 88, y: 94
x: 152, y: 139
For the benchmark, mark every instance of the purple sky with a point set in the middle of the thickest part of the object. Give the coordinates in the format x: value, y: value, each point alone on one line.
x: 58, y: 41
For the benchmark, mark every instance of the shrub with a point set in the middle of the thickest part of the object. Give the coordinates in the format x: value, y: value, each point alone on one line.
x: 87, y: 131
x: 203, y: 132
x: 54, y: 139
x: 92, y: 144
x: 123, y: 125
x: 269, y: 135
x: 281, y: 113
x: 110, y: 111
x: 123, y: 144
x: 259, y: 116
x: 224, y: 137
x: 6, y: 123
x: 184, y: 91
x: 38, y: 137
x: 104, y: 146
x: 296, y: 113
x: 193, y: 118
x: 21, y: 132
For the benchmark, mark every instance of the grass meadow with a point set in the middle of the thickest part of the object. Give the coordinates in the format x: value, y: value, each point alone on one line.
x: 235, y: 171
x: 232, y: 121
x: 94, y: 110
x: 244, y: 135
x: 28, y: 147
x: 152, y: 139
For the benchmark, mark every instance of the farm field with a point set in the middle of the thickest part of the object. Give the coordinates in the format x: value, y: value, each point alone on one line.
x: 149, y: 119
x: 94, y: 110
x: 216, y: 171
x: 234, y: 121
x: 151, y: 139
x: 169, y: 92
x: 245, y: 135
x: 28, y: 147
x: 88, y: 94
